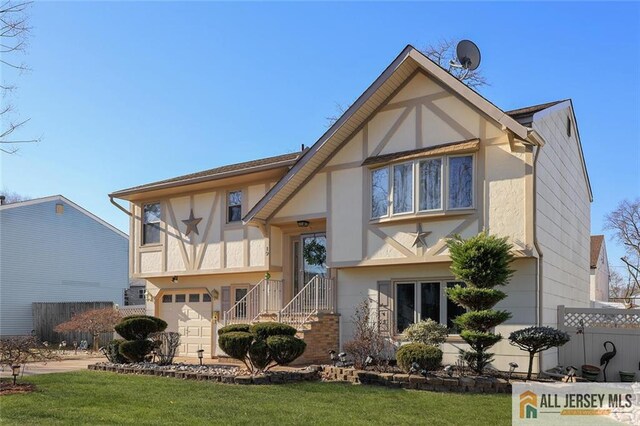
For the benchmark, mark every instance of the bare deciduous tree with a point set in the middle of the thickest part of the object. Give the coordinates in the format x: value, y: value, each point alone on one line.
x: 12, y: 197
x: 22, y: 349
x: 14, y: 35
x: 624, y: 221
x: 443, y: 52
x: 95, y: 321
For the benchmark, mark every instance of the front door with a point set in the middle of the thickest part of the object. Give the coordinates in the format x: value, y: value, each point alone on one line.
x: 309, y: 259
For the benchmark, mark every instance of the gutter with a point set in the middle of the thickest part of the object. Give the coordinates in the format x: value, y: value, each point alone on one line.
x: 127, y: 212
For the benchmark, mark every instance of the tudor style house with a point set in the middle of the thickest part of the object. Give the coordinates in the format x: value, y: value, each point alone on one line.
x: 364, y: 214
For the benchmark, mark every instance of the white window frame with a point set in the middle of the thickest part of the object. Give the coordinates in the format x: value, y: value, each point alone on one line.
x: 389, y: 195
x: 392, y: 188
x: 143, y: 223
x: 443, y: 162
x: 227, y: 205
x: 473, y: 182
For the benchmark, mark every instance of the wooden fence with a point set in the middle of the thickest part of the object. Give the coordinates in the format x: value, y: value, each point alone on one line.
x: 619, y: 326
x: 46, y: 316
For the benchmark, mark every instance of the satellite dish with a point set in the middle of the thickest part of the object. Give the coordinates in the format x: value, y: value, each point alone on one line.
x: 468, y: 55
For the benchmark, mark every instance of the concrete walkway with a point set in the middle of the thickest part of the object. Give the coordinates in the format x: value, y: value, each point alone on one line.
x: 54, y: 366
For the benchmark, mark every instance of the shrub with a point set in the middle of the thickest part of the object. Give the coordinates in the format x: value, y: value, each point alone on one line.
x: 136, y: 350
x: 136, y: 328
x: 166, y: 344
x: 428, y: 357
x: 259, y: 354
x: 537, y: 339
x: 246, y: 328
x: 428, y: 332
x: 161, y: 325
x: 112, y: 352
x: 481, y: 262
x: 236, y: 344
x: 263, y: 330
x: 285, y: 349
x: 367, y: 339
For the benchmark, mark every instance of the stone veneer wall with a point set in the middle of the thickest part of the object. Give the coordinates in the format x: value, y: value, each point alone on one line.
x: 321, y: 336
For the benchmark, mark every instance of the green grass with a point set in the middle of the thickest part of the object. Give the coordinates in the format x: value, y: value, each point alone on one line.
x: 90, y: 397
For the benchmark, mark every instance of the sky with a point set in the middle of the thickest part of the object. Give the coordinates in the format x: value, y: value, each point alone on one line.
x: 128, y: 93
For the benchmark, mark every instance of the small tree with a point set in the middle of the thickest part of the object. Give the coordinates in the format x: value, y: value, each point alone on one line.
x: 367, y: 340
x: 22, y: 349
x: 481, y: 262
x: 537, y: 339
x: 166, y: 344
x: 94, y: 322
x: 428, y: 332
x: 136, y: 329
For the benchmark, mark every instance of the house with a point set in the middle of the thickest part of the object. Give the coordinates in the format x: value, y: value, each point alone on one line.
x: 53, y: 250
x: 599, y: 279
x: 364, y: 214
x: 134, y: 295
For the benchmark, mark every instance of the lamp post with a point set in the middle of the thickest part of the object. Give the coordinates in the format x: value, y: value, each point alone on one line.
x: 15, y: 372
x: 200, y: 355
x: 512, y: 368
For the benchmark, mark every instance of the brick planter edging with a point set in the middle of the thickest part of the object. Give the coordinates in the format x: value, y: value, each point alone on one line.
x: 416, y: 381
x: 274, y: 377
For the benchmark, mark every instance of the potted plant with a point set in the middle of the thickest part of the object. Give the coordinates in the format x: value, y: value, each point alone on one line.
x: 627, y: 376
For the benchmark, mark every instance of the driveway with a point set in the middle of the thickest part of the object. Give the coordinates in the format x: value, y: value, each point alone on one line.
x: 54, y: 366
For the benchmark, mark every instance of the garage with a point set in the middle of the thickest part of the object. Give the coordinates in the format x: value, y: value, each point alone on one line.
x: 189, y: 313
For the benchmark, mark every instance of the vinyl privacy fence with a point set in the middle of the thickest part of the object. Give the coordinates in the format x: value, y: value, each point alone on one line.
x: 619, y: 326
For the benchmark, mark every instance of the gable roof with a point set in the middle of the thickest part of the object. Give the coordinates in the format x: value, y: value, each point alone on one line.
x: 524, y: 115
x: 596, y: 247
x: 408, y: 62
x: 66, y: 201
x: 261, y: 164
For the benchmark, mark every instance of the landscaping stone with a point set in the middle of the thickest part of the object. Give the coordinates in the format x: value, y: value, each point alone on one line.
x: 261, y: 379
x: 243, y: 380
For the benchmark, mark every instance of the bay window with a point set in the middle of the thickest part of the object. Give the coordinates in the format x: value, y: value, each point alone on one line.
x: 439, y: 183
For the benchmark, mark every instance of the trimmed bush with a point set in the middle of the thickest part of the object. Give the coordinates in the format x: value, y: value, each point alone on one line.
x: 428, y: 357
x: 245, y: 328
x: 481, y: 261
x: 236, y: 344
x: 537, y: 339
x: 263, y: 330
x: 428, y: 332
x: 136, y: 328
x: 112, y: 352
x: 479, y: 340
x: 285, y: 349
x: 136, y: 350
x: 260, y: 355
x: 479, y: 298
x: 161, y: 324
x: 481, y: 320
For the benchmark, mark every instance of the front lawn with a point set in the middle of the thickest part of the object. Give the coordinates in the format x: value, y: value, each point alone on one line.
x: 108, y: 398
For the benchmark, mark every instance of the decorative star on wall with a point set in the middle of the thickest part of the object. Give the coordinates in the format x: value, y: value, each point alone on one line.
x: 420, y: 236
x: 192, y: 223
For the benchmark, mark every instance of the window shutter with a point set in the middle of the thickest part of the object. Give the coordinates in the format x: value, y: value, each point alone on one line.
x: 225, y: 299
x: 385, y: 307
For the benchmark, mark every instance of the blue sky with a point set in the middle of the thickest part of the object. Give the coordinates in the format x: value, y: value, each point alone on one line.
x: 128, y: 93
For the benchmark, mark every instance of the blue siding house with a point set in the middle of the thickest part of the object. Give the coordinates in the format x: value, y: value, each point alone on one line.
x: 52, y: 250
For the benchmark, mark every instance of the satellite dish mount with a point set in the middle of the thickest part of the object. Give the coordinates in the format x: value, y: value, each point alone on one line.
x: 468, y: 56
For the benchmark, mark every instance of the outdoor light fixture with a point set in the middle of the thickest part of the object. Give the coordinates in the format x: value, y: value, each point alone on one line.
x: 512, y: 368
x: 154, y: 353
x: 449, y: 370
x: 303, y: 223
x: 200, y: 354
x: 332, y: 356
x: 368, y: 361
x: 174, y: 279
x: 343, y: 357
x: 415, y: 367
x: 15, y: 372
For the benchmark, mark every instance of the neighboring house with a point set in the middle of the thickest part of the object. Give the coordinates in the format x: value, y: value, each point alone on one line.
x: 599, y: 287
x: 418, y: 158
x: 52, y: 250
x: 135, y: 294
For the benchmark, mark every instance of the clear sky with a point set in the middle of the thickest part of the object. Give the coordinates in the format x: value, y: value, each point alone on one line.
x: 128, y: 93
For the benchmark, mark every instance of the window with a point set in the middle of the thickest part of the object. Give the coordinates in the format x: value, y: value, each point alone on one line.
x: 442, y: 183
x: 422, y: 300
x: 141, y: 293
x: 180, y: 298
x: 206, y: 297
x: 380, y: 192
x: 403, y: 188
x: 234, y: 206
x: 194, y: 298
x: 151, y: 224
x: 460, y: 182
x: 430, y: 181
x: 568, y: 126
x: 167, y: 298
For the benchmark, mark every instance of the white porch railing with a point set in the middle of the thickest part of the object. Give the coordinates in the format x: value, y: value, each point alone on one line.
x: 315, y: 297
x: 266, y: 297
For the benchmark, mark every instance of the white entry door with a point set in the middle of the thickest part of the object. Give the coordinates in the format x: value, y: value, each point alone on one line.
x: 189, y: 313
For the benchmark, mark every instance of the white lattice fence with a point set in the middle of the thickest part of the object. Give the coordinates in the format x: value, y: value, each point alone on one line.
x: 619, y: 326
x: 133, y: 310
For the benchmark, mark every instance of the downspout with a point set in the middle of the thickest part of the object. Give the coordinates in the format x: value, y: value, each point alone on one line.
x: 539, y: 272
x: 127, y: 212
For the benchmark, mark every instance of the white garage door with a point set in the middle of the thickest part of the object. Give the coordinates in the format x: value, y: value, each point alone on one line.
x: 189, y: 314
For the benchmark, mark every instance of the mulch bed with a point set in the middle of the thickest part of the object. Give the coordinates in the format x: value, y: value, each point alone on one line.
x: 8, y: 388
